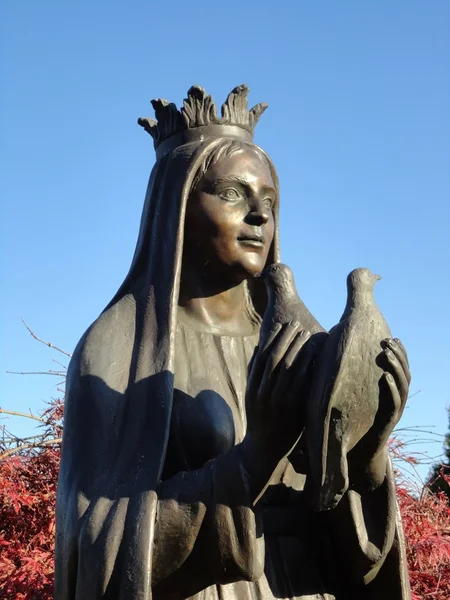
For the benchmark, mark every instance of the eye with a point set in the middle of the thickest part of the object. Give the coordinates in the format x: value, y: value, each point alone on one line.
x: 268, y: 202
x: 230, y: 194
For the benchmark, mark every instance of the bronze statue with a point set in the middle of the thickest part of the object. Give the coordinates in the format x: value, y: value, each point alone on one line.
x: 186, y: 467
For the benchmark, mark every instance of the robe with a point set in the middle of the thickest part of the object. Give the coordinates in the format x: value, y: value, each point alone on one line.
x: 142, y: 511
x: 211, y: 543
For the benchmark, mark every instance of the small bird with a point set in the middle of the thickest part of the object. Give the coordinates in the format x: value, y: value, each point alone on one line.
x: 283, y: 303
x: 284, y: 306
x: 345, y: 392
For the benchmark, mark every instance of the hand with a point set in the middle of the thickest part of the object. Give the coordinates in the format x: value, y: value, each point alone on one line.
x: 394, y: 387
x: 277, y: 381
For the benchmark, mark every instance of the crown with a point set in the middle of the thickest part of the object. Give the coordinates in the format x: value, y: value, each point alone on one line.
x: 198, y: 119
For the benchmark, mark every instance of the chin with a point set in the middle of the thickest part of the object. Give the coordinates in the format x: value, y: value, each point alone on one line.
x: 238, y: 266
x: 255, y: 270
x: 247, y: 269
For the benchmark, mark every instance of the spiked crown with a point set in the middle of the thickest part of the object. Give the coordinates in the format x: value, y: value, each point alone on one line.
x: 198, y: 119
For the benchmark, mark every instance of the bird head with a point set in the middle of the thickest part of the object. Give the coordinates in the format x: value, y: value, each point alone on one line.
x: 278, y: 276
x: 362, y: 278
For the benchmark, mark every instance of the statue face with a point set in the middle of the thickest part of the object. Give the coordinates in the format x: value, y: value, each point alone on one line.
x: 229, y: 224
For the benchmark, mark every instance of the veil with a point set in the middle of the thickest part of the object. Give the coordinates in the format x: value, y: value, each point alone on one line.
x: 119, y: 396
x: 119, y: 400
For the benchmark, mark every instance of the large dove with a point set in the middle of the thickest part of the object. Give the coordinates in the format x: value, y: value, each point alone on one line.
x: 345, y: 393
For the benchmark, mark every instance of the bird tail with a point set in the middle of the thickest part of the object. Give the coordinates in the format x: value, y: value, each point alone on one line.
x: 335, y: 480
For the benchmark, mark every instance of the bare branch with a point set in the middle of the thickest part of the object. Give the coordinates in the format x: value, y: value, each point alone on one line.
x: 27, y: 446
x: 57, y: 374
x: 13, y: 439
x: 21, y: 414
x: 49, y: 344
x: 60, y: 364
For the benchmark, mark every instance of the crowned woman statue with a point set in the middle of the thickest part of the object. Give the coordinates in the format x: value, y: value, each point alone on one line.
x: 183, y: 471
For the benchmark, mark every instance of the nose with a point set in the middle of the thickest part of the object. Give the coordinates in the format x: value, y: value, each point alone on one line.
x: 259, y: 213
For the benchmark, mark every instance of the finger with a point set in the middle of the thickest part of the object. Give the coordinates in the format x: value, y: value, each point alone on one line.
x: 285, y: 369
x: 302, y: 369
x: 258, y: 362
x: 390, y: 406
x: 297, y: 344
x: 397, y: 402
x: 400, y: 353
x: 265, y: 347
x: 304, y: 361
x: 278, y: 350
x: 296, y: 380
x: 280, y: 346
x: 403, y: 349
x: 396, y: 370
x: 252, y: 360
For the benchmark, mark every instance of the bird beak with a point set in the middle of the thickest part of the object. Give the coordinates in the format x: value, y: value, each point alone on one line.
x: 377, y: 277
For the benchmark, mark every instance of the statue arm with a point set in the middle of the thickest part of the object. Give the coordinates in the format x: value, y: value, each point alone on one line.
x: 393, y: 393
x: 364, y: 527
x: 207, y: 529
x: 366, y: 524
x: 366, y: 462
x: 368, y: 536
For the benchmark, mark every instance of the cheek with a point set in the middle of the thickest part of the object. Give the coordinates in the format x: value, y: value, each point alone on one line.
x: 199, y: 222
x: 271, y: 226
x: 210, y: 231
x: 222, y: 223
x: 270, y: 230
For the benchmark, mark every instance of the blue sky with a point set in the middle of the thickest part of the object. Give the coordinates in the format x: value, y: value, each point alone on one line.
x: 358, y: 127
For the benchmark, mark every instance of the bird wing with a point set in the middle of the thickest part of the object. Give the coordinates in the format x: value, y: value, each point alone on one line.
x: 350, y: 399
x: 334, y: 468
x: 325, y: 387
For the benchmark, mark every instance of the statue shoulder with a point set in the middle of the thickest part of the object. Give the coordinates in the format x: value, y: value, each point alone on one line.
x: 105, y: 349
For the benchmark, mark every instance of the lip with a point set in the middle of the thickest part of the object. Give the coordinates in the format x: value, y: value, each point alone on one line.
x: 256, y: 241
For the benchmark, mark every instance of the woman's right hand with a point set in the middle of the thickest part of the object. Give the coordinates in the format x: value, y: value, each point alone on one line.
x: 276, y: 392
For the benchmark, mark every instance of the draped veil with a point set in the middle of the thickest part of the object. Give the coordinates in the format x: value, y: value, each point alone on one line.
x: 118, y: 403
x: 118, y: 409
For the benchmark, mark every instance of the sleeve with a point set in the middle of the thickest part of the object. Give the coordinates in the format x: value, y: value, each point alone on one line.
x: 367, y: 530
x: 207, y: 530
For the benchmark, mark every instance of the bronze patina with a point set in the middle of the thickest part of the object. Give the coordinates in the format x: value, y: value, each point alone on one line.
x: 207, y: 452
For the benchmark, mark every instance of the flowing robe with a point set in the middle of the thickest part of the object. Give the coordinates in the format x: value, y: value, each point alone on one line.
x: 144, y: 511
x: 210, y: 543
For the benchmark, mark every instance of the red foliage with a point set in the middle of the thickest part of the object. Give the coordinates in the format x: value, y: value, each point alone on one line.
x: 28, y: 476
x: 27, y: 525
x: 426, y: 522
x: 27, y: 502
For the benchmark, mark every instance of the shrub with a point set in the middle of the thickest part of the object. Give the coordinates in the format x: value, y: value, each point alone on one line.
x: 28, y: 475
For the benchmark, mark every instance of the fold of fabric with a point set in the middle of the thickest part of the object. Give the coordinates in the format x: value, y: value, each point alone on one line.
x: 118, y: 404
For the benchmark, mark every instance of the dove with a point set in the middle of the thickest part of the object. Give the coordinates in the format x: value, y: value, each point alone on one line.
x: 283, y: 303
x: 284, y: 306
x: 345, y: 392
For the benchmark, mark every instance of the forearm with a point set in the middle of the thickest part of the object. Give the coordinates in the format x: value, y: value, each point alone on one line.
x: 259, y: 462
x: 363, y: 525
x: 369, y: 475
x: 207, y: 526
